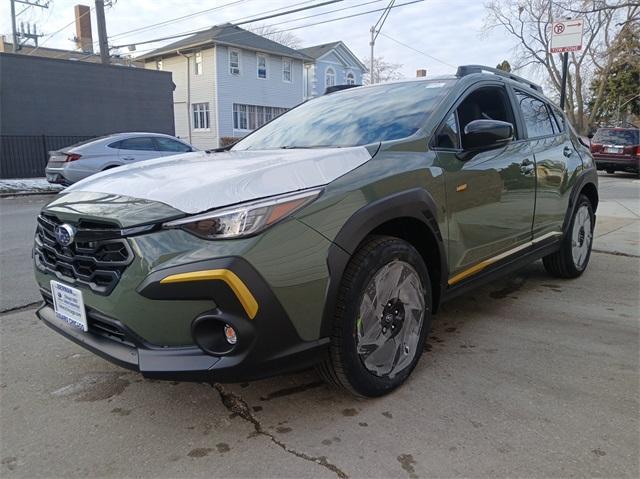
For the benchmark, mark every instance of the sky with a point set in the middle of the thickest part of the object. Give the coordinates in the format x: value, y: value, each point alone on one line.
x: 438, y: 34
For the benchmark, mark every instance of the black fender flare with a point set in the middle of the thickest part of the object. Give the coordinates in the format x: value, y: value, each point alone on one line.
x: 415, y: 203
x: 589, y: 176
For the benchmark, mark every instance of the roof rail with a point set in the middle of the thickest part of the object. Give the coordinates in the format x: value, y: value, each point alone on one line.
x: 465, y: 70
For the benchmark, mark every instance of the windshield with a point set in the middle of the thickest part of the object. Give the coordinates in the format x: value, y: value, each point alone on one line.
x: 352, y: 117
x: 617, y: 137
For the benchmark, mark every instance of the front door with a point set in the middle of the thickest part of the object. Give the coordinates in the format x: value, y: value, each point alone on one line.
x: 490, y: 195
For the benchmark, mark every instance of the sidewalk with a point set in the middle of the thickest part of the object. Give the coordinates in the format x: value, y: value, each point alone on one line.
x: 28, y: 186
x: 618, y: 217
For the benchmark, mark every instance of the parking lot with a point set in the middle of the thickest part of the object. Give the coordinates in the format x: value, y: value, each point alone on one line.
x: 527, y: 376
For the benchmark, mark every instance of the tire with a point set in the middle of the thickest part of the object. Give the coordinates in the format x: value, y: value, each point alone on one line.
x: 570, y: 262
x: 347, y: 366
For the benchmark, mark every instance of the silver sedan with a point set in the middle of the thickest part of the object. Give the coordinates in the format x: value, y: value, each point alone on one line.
x: 71, y: 164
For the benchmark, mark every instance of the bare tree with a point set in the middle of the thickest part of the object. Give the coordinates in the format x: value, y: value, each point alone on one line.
x: 382, y: 71
x: 287, y: 39
x: 529, y: 23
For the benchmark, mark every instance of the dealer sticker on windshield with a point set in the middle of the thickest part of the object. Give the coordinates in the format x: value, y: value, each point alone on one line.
x: 69, y: 305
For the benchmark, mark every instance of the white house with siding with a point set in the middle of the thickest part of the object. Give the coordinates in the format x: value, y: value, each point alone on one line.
x: 228, y: 81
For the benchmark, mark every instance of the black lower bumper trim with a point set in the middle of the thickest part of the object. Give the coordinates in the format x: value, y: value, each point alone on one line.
x: 187, y: 363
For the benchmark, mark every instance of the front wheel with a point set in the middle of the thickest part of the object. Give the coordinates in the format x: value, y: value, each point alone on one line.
x: 383, y: 316
x: 573, y: 257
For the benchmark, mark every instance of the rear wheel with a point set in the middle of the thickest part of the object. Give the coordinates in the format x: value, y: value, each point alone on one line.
x: 573, y: 257
x: 383, y: 316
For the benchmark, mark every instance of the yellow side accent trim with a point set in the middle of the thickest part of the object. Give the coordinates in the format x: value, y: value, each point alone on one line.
x: 461, y: 187
x: 483, y: 264
x: 247, y: 300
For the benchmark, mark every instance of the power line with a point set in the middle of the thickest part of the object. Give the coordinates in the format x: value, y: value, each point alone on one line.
x: 417, y: 51
x: 177, y: 19
x: 325, y: 13
x: 239, y: 22
x: 277, y: 31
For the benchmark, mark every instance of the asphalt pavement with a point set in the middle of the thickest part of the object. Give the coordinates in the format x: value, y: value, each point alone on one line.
x: 528, y: 376
x: 17, y: 226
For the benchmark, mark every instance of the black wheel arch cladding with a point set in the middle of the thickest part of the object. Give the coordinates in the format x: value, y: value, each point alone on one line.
x: 415, y: 204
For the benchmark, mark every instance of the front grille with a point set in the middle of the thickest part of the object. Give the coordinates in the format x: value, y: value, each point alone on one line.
x: 96, y: 264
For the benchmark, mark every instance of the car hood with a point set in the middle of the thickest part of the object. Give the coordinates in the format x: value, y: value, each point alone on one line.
x: 200, y: 181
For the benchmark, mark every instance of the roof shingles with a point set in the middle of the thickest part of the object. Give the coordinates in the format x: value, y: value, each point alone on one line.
x: 227, y: 34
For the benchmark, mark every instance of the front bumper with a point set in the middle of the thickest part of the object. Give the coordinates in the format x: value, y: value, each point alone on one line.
x: 268, y: 343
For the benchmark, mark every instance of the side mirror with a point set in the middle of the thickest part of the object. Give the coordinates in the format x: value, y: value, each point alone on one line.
x: 590, y: 135
x: 487, y: 134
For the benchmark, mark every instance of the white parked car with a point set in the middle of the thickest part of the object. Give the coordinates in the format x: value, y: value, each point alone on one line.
x: 75, y: 162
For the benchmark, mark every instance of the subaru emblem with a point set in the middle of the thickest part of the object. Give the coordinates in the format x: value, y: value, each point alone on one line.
x: 65, y: 234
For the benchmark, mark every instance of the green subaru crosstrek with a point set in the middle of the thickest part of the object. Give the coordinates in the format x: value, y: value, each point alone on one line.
x: 328, y: 237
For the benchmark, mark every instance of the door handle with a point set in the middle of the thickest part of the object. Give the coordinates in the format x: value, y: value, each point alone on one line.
x: 567, y: 151
x: 128, y: 158
x: 527, y: 166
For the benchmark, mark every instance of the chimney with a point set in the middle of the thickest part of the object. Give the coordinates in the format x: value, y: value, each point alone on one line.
x: 84, y: 40
x: 421, y: 72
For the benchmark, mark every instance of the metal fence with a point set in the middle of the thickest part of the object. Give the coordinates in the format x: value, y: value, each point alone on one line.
x: 25, y: 156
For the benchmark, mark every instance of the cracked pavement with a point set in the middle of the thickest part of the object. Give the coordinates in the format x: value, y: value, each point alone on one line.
x: 527, y: 376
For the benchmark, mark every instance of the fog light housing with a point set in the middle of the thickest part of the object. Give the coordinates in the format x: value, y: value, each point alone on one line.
x: 230, y: 334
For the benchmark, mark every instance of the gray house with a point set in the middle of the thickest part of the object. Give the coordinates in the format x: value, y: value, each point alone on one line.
x: 229, y: 81
x: 333, y: 64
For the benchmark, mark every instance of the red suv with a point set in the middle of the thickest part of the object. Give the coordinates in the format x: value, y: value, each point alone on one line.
x: 617, y: 149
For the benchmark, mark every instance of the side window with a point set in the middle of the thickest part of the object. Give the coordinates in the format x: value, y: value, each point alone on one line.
x: 167, y: 144
x: 115, y: 145
x: 261, y: 65
x: 485, y: 103
x: 143, y: 143
x: 448, y: 135
x: 559, y: 119
x: 535, y: 115
x: 234, y: 62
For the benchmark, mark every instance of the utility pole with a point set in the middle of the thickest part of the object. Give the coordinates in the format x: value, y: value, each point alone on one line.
x: 102, y: 32
x: 13, y: 26
x: 17, y: 43
x: 375, y: 31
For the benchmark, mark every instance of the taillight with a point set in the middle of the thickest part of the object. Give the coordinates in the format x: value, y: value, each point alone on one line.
x: 595, y: 147
x: 72, y: 157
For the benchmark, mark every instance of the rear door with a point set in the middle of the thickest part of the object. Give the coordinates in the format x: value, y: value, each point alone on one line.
x: 490, y: 195
x: 137, y: 148
x: 557, y: 162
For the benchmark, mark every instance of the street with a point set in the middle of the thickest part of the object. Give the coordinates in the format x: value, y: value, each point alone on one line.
x: 529, y: 375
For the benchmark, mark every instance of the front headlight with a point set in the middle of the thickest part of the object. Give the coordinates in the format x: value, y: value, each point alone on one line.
x: 245, y: 219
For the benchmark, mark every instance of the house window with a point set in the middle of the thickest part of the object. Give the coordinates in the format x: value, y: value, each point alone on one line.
x: 329, y: 78
x: 351, y: 80
x: 197, y: 61
x: 286, y: 69
x: 200, y: 116
x: 250, y: 117
x: 158, y: 64
x: 262, y: 66
x: 234, y: 62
